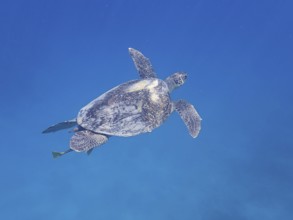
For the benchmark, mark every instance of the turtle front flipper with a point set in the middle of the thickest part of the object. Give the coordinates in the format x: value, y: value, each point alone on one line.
x: 60, y: 126
x: 142, y: 64
x: 189, y: 116
x: 85, y: 141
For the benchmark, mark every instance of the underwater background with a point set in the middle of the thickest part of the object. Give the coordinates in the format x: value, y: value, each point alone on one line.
x: 56, y: 56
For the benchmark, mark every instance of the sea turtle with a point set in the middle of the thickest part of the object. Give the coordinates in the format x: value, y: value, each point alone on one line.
x: 129, y: 109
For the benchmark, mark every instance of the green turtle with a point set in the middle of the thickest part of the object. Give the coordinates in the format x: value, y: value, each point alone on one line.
x: 129, y: 109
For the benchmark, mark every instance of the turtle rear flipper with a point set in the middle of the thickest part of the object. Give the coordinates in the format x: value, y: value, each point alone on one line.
x: 60, y: 126
x: 189, y: 116
x: 85, y: 141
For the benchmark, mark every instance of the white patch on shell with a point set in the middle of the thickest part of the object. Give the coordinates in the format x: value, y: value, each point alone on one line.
x: 151, y: 88
x: 140, y: 85
x: 148, y: 84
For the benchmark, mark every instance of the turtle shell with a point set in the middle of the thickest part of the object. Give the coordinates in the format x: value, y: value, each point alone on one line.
x: 129, y: 109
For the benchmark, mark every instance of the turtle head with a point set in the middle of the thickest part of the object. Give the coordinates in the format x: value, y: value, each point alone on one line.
x: 175, y: 80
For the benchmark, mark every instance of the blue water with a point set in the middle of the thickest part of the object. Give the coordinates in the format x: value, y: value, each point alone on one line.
x: 56, y: 56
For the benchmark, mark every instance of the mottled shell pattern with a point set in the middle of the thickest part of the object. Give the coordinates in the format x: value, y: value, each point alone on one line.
x: 129, y: 109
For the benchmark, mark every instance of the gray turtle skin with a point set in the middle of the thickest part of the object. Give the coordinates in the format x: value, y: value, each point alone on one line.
x: 129, y: 109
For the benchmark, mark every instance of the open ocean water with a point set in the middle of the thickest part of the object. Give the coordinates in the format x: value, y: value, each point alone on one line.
x: 56, y: 56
